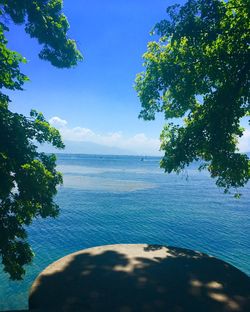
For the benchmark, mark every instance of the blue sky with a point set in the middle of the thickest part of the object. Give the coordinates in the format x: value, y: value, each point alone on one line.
x: 95, y: 102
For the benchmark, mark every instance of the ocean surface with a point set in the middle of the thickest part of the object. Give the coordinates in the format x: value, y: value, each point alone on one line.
x: 128, y: 199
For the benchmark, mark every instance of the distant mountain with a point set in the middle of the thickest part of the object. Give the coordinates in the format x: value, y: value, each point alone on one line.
x: 86, y: 148
x: 93, y: 148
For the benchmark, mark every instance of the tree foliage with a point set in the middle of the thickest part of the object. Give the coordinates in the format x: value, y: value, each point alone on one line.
x: 28, y: 179
x: 198, y: 70
x: 44, y: 20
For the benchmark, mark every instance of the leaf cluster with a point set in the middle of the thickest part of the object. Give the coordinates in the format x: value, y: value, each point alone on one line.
x: 45, y: 21
x: 28, y: 179
x: 27, y: 185
x: 199, y: 70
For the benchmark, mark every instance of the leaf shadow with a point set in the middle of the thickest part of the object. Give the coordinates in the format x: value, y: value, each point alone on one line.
x: 182, y: 280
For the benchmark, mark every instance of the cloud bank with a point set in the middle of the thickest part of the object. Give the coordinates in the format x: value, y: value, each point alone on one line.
x: 137, y: 144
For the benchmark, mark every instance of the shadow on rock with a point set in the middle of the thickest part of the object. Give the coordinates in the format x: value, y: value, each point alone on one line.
x: 170, y: 279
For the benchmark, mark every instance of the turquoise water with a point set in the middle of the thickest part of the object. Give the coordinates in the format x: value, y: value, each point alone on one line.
x: 122, y: 199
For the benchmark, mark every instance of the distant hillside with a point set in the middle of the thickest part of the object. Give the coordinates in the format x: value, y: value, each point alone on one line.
x: 87, y: 148
x: 93, y: 148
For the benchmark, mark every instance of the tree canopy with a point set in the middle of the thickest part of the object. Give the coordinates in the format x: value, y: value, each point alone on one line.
x: 198, y: 70
x: 28, y: 179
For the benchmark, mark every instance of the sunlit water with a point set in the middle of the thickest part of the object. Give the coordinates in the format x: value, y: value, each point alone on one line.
x: 125, y: 199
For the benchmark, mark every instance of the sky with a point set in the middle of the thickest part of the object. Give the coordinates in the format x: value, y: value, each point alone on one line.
x: 94, y: 105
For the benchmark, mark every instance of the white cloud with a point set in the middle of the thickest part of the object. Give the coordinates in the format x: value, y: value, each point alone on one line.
x: 139, y: 143
x: 57, y: 122
x: 244, y: 142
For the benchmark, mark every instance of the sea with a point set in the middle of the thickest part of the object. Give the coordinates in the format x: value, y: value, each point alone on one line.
x: 129, y: 199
